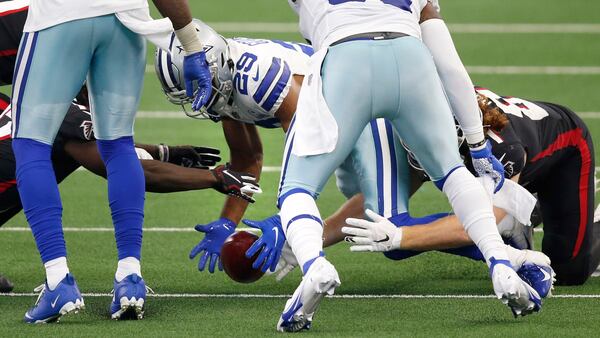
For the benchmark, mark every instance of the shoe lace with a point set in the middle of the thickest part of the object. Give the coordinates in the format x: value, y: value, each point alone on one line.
x: 41, y: 289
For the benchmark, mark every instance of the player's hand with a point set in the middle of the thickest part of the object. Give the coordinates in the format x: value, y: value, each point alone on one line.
x: 231, y: 182
x: 269, y: 244
x: 197, y: 75
x: 210, y: 246
x: 486, y: 164
x: 190, y: 156
x: 287, y: 262
x: 377, y: 236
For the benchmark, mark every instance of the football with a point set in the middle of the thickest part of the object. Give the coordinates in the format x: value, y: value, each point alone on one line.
x: 233, y: 256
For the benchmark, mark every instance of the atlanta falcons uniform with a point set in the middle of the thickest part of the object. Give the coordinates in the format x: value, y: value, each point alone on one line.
x: 551, y: 148
x: 77, y: 126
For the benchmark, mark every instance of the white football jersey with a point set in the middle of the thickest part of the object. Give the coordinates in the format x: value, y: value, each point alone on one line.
x: 262, y: 77
x: 325, y: 21
x: 47, y: 13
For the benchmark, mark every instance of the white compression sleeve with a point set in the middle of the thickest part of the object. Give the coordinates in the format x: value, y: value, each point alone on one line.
x: 455, y: 79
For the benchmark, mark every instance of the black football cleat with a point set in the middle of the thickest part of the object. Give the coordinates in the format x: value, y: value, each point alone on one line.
x: 5, y: 285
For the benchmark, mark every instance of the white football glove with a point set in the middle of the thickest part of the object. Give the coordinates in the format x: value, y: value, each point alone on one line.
x: 378, y: 236
x: 287, y: 262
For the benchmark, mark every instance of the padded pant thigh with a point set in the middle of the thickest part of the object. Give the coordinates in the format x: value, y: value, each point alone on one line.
x: 424, y: 120
x: 378, y: 166
x: 51, y: 68
x: 349, y: 104
x: 115, y: 80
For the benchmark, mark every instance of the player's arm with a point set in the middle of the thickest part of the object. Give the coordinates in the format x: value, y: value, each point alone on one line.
x: 246, y: 155
x: 160, y: 176
x: 460, y: 92
x: 184, y: 155
x: 195, y: 67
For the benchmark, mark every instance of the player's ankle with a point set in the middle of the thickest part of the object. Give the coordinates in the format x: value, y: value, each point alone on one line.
x: 128, y: 266
x: 56, y: 270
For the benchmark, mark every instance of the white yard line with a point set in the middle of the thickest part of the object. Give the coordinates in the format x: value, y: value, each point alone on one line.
x: 457, y: 28
x: 148, y: 229
x: 396, y: 296
x: 534, y: 70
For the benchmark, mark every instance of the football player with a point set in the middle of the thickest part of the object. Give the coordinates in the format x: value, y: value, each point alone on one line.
x: 547, y: 149
x: 370, y: 63
x: 93, y: 37
x: 166, y: 168
x: 246, y: 71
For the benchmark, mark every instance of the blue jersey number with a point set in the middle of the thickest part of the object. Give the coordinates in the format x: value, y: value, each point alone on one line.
x: 402, y: 4
x: 244, y: 64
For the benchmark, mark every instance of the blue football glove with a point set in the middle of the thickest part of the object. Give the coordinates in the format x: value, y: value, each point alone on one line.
x: 269, y: 244
x: 486, y: 164
x: 195, y: 69
x: 216, y: 234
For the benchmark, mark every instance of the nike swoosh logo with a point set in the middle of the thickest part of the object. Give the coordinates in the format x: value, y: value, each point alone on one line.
x: 255, y: 78
x: 387, y: 238
x: 546, y: 275
x: 502, y: 157
x: 53, y: 304
x: 276, y: 231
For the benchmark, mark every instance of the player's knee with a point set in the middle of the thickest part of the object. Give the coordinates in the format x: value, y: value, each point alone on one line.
x: 110, y: 148
x: 28, y: 151
x: 439, y: 183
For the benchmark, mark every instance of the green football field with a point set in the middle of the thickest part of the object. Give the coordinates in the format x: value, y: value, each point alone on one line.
x: 547, y: 50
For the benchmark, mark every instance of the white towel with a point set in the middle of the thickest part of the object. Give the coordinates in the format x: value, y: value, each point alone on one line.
x: 316, y: 129
x: 156, y: 31
x: 516, y: 201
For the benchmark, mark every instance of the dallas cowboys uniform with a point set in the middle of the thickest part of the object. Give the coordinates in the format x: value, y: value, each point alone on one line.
x: 262, y: 77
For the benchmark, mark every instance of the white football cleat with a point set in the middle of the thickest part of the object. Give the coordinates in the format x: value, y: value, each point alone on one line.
x: 520, y: 297
x: 320, y: 279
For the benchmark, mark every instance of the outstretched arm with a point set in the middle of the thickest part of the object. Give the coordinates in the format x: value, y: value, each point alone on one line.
x: 160, y: 176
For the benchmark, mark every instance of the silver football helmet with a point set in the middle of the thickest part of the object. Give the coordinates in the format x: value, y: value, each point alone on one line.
x: 169, y: 69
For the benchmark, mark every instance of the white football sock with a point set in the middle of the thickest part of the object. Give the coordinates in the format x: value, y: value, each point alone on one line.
x: 56, y: 270
x: 128, y: 266
x: 304, y: 235
x: 473, y: 207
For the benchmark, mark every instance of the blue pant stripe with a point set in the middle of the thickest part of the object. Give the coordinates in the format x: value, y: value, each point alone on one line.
x: 285, y: 166
x: 24, y: 83
x: 303, y: 216
x: 287, y: 151
x: 379, y: 163
x: 393, y: 167
x: 278, y: 89
x: 268, y: 80
x: 288, y: 193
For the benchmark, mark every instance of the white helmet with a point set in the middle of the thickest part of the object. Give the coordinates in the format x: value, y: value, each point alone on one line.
x: 169, y: 68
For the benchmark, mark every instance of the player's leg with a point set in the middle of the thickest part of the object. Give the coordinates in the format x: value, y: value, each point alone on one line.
x: 424, y: 122
x: 304, y: 177
x: 51, y: 67
x: 115, y: 83
x: 571, y: 238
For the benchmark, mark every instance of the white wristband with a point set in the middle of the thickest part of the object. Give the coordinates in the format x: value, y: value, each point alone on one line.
x: 188, y: 36
x: 475, y: 138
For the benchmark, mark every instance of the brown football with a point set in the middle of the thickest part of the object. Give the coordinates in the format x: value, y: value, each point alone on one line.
x: 233, y: 256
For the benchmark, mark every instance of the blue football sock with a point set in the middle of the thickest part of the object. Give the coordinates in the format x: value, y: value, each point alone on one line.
x: 471, y: 251
x: 39, y: 194
x: 405, y: 219
x: 126, y: 188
